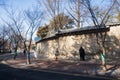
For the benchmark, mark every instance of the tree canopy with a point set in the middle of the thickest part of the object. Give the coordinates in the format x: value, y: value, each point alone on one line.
x: 60, y: 21
x: 118, y: 17
x: 42, y: 31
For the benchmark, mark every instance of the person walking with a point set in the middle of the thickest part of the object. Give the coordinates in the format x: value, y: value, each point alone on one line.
x: 82, y: 54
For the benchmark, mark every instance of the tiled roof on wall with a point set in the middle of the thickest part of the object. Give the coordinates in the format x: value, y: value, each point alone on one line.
x: 76, y: 31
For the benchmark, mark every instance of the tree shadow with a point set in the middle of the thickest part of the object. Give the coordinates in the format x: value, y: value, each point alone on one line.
x: 112, y: 46
x: 10, y: 73
x: 112, y: 69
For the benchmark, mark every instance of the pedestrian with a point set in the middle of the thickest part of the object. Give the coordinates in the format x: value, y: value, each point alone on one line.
x: 24, y: 52
x: 56, y: 54
x: 35, y: 54
x: 82, y: 54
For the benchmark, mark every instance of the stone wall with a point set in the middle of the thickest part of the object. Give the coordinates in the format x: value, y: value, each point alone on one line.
x: 113, y: 42
x: 68, y: 46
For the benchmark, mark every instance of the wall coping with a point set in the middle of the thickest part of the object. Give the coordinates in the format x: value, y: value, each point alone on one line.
x: 78, y: 31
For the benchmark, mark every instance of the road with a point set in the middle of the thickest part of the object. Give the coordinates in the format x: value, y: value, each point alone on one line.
x: 10, y: 73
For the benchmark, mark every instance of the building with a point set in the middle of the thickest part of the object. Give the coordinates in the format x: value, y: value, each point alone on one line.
x: 69, y: 41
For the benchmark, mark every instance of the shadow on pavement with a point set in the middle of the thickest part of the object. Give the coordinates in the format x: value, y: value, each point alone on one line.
x: 9, y: 73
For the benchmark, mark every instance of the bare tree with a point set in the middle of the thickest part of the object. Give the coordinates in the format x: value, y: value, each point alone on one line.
x: 33, y: 20
x: 4, y: 40
x: 2, y: 4
x: 78, y: 12
x: 54, y: 8
x: 100, y: 23
x: 15, y: 23
x: 74, y: 11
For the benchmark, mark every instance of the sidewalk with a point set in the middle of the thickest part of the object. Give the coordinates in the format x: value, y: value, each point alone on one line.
x: 84, y: 68
x: 78, y: 67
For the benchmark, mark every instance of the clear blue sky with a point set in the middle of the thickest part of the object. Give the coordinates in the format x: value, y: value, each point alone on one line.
x: 27, y: 4
x: 17, y: 5
x: 22, y: 4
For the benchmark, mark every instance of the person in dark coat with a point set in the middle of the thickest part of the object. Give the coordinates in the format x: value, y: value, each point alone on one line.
x: 82, y: 54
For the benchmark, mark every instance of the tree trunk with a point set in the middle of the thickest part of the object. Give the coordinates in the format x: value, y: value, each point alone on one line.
x: 28, y: 57
x: 78, y: 13
x: 15, y: 51
x: 28, y: 52
x: 103, y: 58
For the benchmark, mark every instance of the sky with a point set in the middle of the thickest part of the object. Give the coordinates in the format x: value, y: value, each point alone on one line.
x: 16, y: 5
x: 27, y: 4
x: 23, y: 4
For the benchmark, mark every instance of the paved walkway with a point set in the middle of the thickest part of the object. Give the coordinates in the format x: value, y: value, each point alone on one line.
x: 78, y: 67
